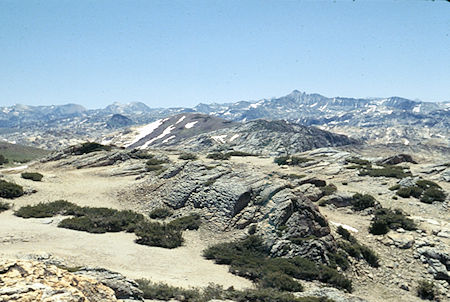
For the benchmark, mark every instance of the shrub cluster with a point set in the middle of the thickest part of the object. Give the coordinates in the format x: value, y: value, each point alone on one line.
x: 328, y: 189
x: 291, y: 160
x: 386, y: 219
x: 154, y: 164
x: 249, y: 258
x: 240, y: 153
x: 4, y: 206
x: 10, y: 190
x: 426, y: 290
x: 32, y: 175
x: 160, y: 213
x: 355, y: 249
x: 425, y: 190
x: 89, y: 147
x: 386, y: 171
x: 162, y: 291
x: 362, y: 201
x: 187, y: 156
x: 358, y: 161
x: 102, y: 220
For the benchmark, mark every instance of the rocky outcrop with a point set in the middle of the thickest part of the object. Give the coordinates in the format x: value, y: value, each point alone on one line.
x: 234, y: 198
x: 438, y: 261
x: 396, y: 159
x: 26, y: 281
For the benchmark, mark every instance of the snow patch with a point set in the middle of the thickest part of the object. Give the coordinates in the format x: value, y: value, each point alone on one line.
x: 168, y: 139
x: 164, y: 133
x: 417, y: 109
x: 190, y: 125
x: 234, y: 137
x: 145, y: 130
x: 181, y: 119
x: 256, y: 105
x: 347, y: 227
x: 219, y: 138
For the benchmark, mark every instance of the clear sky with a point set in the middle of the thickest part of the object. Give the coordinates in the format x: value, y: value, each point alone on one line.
x: 179, y: 53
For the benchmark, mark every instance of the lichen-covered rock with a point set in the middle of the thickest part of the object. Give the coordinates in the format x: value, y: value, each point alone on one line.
x: 28, y: 281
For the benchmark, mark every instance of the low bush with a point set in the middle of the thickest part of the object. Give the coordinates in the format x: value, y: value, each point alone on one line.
x: 187, y: 156
x: 154, y: 168
x: 10, y: 190
x: 358, y: 161
x: 160, y: 213
x: 426, y: 184
x: 386, y: 171
x: 386, y: 219
x: 158, y: 234
x: 394, y: 187
x: 89, y: 147
x: 426, y: 290
x: 346, y: 234
x: 328, y: 189
x: 432, y: 194
x: 240, y: 153
x: 50, y: 209
x: 32, y: 175
x: 249, y: 258
x: 407, y: 192
x: 4, y: 206
x: 155, y: 162
x: 357, y: 250
x: 338, y: 259
x: 218, y: 156
x: 291, y: 160
x: 360, y: 202
x: 280, y: 281
x: 190, y: 222
x: 281, y: 160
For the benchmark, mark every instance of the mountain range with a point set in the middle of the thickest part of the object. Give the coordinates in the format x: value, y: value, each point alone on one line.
x: 374, y: 120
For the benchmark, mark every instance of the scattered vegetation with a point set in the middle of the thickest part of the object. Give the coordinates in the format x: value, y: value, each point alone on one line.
x: 249, y: 258
x: 358, y: 161
x: 162, y: 291
x: 187, y: 156
x: 160, y: 213
x: 10, y: 190
x: 407, y: 192
x: 102, y: 220
x: 426, y: 290
x: 19, y: 153
x: 89, y: 147
x: 4, y: 206
x: 32, y: 175
x: 219, y: 156
x: 355, y: 249
x: 360, y: 202
x: 291, y: 160
x: 432, y: 194
x: 240, y: 153
x: 141, y: 154
x: 386, y: 219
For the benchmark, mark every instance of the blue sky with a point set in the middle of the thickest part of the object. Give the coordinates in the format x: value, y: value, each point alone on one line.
x: 180, y: 53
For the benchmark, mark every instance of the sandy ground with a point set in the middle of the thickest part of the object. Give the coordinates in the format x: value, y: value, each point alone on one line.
x: 183, y: 266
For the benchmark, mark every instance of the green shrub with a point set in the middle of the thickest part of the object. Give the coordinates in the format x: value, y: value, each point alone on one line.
x: 249, y: 258
x: 328, y: 189
x: 386, y: 171
x: 338, y: 259
x: 190, y: 222
x: 154, y: 168
x: 32, y: 175
x: 240, y: 153
x: 141, y: 154
x: 297, y: 160
x: 158, y: 234
x: 280, y: 281
x: 159, y: 291
x: 155, y: 161
x: 281, y: 160
x: 4, y: 206
x: 50, y: 209
x: 346, y: 234
x: 359, y: 251
x: 89, y: 147
x: 426, y: 184
x: 3, y: 160
x: 407, y: 192
x: 358, y: 161
x: 10, y: 190
x: 394, y: 187
x: 386, y: 219
x: 426, y: 290
x: 360, y: 202
x: 432, y: 194
x: 218, y: 156
x: 187, y: 156
x: 160, y: 213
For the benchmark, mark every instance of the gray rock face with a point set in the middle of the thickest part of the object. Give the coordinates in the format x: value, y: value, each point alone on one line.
x: 396, y: 159
x: 237, y: 198
x: 330, y: 293
x: 123, y: 288
x: 438, y: 260
x: 337, y: 199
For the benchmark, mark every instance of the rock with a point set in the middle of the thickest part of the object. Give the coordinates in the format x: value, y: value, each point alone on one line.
x: 408, y: 181
x: 316, y: 182
x: 338, y: 199
x: 396, y: 159
x: 401, y: 241
x: 438, y: 260
x: 26, y: 280
x: 123, y: 288
x: 311, y: 192
x: 330, y: 293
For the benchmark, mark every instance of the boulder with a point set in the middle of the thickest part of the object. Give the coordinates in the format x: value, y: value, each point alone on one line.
x: 396, y: 159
